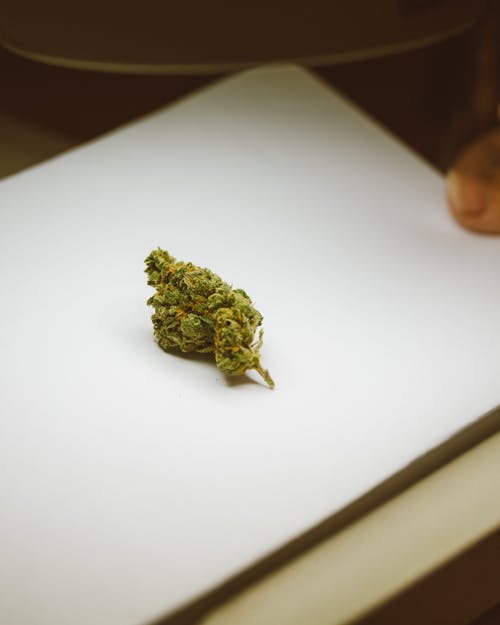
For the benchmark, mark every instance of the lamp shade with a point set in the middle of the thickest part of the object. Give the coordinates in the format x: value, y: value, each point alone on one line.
x: 156, y: 36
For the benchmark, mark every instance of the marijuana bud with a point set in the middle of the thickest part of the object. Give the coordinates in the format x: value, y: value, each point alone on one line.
x: 195, y: 311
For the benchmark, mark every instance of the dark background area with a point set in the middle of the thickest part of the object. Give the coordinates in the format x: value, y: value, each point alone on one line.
x: 435, y: 99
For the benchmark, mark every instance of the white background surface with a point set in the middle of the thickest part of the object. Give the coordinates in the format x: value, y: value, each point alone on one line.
x: 131, y: 479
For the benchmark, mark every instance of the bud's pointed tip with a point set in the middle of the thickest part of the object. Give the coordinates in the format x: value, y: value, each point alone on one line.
x: 264, y: 373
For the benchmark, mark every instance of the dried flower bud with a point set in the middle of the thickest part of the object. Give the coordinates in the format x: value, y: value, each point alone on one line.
x: 195, y: 311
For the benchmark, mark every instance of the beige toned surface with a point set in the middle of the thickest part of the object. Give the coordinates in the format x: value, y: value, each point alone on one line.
x: 383, y: 553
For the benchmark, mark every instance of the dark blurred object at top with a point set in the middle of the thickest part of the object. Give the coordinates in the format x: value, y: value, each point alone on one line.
x: 436, y: 98
x: 156, y: 36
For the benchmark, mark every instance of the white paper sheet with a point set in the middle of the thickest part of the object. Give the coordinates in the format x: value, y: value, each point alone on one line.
x: 132, y: 480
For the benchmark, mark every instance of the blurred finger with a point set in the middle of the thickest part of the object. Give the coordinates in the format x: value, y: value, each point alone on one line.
x: 473, y: 185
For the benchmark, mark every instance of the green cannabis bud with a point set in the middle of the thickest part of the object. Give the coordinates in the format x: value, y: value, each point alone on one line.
x: 195, y: 311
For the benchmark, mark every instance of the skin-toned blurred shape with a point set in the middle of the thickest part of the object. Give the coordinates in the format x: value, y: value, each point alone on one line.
x: 473, y: 180
x: 473, y: 185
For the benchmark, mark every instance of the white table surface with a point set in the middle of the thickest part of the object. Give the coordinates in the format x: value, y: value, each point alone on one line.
x: 132, y: 480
